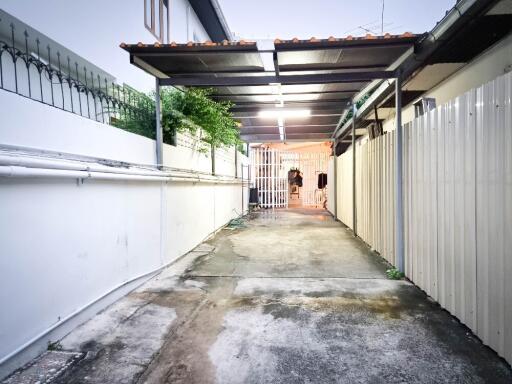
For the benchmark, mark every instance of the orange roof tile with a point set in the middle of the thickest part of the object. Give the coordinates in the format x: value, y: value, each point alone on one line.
x: 277, y: 41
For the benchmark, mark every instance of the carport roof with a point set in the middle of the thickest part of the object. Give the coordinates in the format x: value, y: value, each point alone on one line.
x: 312, y: 81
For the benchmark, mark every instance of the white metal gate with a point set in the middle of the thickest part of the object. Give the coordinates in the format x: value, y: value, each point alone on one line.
x: 269, y: 174
x: 270, y: 177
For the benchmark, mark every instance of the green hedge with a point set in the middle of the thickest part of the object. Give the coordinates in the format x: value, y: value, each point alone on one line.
x: 184, y: 111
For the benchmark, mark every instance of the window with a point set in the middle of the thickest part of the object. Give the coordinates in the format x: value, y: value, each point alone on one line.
x: 165, y: 23
x: 156, y: 18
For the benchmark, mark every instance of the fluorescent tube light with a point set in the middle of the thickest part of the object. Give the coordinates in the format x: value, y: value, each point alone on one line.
x: 285, y: 113
x: 280, y: 123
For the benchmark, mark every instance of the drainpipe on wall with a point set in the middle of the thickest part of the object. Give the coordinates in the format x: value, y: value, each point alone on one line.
x: 236, y: 163
x: 213, y: 159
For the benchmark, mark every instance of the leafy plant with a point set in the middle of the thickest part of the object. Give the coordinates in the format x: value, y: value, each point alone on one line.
x: 192, y: 110
x: 54, y: 346
x: 137, y: 116
x: 394, y: 274
x: 241, y: 148
x: 359, y: 104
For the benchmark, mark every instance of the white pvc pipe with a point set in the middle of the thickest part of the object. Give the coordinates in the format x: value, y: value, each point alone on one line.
x: 15, y: 171
x: 25, y: 172
x: 22, y: 166
x: 32, y: 162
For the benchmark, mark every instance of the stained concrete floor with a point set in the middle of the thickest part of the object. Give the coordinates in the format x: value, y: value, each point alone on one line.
x: 291, y: 298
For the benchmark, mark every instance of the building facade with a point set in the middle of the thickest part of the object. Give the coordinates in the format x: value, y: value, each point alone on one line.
x: 95, y: 29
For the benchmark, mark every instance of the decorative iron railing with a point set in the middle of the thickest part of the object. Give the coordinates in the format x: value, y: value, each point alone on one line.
x: 43, y: 74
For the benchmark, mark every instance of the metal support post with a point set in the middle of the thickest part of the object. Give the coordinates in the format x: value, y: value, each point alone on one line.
x: 354, y: 207
x: 335, y: 183
x: 399, y: 218
x: 159, y: 133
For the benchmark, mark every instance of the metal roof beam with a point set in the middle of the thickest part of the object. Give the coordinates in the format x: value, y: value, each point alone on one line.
x: 254, y: 114
x: 249, y: 111
x: 350, y: 77
x: 289, y: 126
x: 274, y: 137
x: 272, y: 103
x: 287, y: 68
x: 351, y: 91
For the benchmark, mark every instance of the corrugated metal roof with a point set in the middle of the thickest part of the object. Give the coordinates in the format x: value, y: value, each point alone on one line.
x: 317, y: 75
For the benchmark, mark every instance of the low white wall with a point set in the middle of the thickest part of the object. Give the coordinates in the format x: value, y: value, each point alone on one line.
x: 65, y: 244
x: 28, y: 123
x: 184, y: 158
x: 194, y: 212
x: 225, y: 161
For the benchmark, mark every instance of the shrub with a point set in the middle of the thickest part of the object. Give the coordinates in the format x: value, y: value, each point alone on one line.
x: 394, y: 274
x: 193, y: 109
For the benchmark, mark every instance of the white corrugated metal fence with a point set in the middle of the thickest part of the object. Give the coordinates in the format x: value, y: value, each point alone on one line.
x: 457, y: 192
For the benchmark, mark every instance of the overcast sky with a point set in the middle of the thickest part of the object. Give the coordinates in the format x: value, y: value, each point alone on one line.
x: 323, y: 18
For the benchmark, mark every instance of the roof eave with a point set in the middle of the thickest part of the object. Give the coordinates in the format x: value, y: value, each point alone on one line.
x: 212, y: 19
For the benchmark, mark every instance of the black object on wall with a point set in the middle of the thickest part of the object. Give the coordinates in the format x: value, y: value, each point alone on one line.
x: 322, y: 180
x: 253, y: 196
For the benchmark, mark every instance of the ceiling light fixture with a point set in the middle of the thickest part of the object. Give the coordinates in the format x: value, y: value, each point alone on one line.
x: 280, y: 124
x: 279, y: 112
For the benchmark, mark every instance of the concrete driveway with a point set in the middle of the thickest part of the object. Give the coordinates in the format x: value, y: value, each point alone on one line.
x: 290, y: 298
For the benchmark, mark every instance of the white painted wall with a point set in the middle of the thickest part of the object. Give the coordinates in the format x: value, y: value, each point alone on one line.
x: 95, y: 28
x: 28, y: 123
x: 64, y: 244
x: 185, y: 24
x: 185, y: 158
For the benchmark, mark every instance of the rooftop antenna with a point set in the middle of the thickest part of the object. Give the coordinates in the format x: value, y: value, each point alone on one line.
x: 382, y: 19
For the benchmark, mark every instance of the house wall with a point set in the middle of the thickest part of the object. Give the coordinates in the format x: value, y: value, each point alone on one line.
x: 66, y: 244
x: 494, y: 62
x: 185, y: 25
x: 457, y: 206
x: 95, y: 28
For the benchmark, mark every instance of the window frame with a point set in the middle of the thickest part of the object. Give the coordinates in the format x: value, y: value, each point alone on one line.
x: 156, y: 29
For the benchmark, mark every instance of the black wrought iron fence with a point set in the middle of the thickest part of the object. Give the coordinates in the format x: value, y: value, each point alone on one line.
x: 43, y: 74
